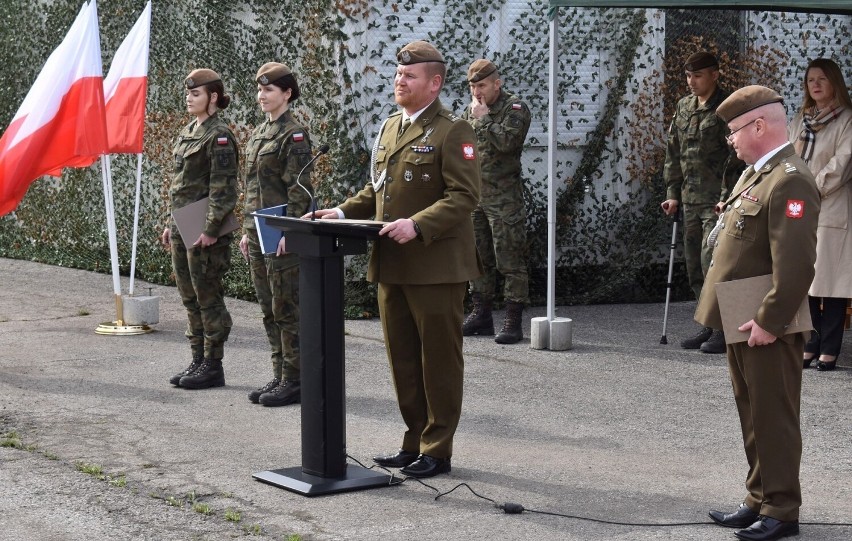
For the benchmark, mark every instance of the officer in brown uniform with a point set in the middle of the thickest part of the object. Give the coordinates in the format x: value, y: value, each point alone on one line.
x: 425, y: 182
x: 768, y: 227
x: 278, y: 150
x: 206, y: 161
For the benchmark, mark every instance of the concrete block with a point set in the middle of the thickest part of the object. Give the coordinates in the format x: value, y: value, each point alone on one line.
x: 539, y: 333
x: 561, y: 330
x: 141, y: 310
x: 554, y: 335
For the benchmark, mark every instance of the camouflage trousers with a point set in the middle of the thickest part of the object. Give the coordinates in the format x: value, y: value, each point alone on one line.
x: 198, y: 274
x: 276, y: 283
x: 501, y: 239
x: 698, y: 222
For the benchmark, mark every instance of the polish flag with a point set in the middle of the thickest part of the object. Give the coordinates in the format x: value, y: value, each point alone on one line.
x: 125, y: 88
x: 61, y: 121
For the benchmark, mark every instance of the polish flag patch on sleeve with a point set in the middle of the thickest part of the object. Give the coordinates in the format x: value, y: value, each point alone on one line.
x: 222, y: 140
x: 795, y: 208
x: 467, y: 151
x: 516, y: 106
x: 298, y: 136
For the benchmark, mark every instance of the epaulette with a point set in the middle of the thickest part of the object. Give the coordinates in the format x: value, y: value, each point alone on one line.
x: 789, y: 167
x: 449, y: 115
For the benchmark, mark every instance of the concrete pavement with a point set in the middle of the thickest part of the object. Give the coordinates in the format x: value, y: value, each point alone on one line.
x: 619, y: 429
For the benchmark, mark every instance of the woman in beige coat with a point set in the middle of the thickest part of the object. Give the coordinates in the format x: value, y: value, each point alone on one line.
x: 822, y: 135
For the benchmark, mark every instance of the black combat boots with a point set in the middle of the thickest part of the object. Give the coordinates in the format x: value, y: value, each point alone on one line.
x: 479, y: 321
x: 197, y: 359
x: 209, y: 374
x: 511, y: 332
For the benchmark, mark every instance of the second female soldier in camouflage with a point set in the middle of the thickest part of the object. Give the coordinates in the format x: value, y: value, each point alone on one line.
x: 700, y: 169
x: 501, y: 121
x: 206, y: 162
x: 278, y: 150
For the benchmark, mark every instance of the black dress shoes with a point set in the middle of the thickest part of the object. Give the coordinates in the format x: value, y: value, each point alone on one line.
x: 398, y: 460
x: 768, y: 529
x: 743, y: 517
x: 426, y: 466
x: 826, y: 366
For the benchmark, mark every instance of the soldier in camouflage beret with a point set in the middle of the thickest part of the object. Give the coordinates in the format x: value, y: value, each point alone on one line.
x: 501, y: 121
x: 206, y: 158
x: 278, y: 150
x: 699, y: 171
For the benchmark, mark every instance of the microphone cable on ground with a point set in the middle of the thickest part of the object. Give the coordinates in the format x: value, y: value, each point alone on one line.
x: 511, y: 508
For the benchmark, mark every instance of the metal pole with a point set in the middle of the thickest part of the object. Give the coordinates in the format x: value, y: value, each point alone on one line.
x: 675, y: 221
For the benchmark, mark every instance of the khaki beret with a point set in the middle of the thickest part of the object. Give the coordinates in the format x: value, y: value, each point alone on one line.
x: 417, y: 52
x: 201, y: 77
x: 271, y: 72
x: 699, y: 61
x: 746, y: 99
x: 479, y: 70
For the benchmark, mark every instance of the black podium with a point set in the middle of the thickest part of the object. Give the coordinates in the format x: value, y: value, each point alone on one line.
x: 321, y: 245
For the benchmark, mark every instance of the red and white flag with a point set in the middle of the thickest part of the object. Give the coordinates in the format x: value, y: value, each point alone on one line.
x: 61, y: 121
x: 125, y: 88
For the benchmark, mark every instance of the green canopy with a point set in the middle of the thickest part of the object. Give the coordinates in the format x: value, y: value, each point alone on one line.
x: 832, y: 6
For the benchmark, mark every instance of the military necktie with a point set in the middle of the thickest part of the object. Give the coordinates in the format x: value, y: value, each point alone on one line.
x: 404, y: 127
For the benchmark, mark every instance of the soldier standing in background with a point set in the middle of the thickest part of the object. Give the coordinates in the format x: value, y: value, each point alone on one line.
x: 276, y: 153
x: 501, y: 121
x: 700, y: 169
x: 206, y: 161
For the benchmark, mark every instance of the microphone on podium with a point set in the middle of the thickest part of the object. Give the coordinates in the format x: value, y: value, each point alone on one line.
x: 322, y: 150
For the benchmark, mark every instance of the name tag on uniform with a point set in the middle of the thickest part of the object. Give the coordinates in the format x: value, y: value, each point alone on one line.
x: 422, y: 149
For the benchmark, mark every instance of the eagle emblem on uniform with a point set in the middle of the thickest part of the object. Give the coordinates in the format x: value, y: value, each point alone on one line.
x: 795, y: 208
x: 264, y: 80
x: 467, y: 151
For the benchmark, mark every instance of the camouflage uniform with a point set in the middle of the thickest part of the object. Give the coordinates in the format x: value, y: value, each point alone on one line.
x: 275, y: 154
x: 500, y: 218
x: 699, y: 172
x: 206, y: 159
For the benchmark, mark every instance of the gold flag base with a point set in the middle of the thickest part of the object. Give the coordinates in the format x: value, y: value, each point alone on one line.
x: 118, y: 328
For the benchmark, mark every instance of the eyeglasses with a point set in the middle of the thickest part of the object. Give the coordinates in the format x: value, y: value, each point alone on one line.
x: 731, y: 135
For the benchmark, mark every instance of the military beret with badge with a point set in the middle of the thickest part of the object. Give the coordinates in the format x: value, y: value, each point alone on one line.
x: 700, y: 60
x: 418, y: 52
x: 201, y: 77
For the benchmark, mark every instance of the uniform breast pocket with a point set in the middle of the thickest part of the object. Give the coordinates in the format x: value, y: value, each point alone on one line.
x: 267, y: 158
x: 711, y: 138
x: 191, y: 152
x: 421, y: 171
x: 681, y: 123
x: 744, y: 220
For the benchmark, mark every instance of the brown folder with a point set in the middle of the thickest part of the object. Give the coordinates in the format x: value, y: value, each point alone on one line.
x: 192, y: 218
x: 739, y: 301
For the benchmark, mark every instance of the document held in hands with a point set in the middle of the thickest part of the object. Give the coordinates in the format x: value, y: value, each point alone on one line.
x: 739, y: 301
x: 192, y: 218
x: 268, y: 235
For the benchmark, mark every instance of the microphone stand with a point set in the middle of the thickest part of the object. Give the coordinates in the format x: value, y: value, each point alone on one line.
x: 322, y: 150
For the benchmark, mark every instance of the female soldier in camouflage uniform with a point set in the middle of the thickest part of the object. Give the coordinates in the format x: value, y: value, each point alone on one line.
x: 277, y: 152
x: 206, y: 159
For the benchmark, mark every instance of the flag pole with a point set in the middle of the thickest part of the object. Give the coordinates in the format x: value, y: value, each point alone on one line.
x: 135, y: 222
x: 116, y: 327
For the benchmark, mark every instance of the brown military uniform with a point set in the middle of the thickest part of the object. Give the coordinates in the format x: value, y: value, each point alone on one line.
x: 432, y: 177
x: 769, y: 228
